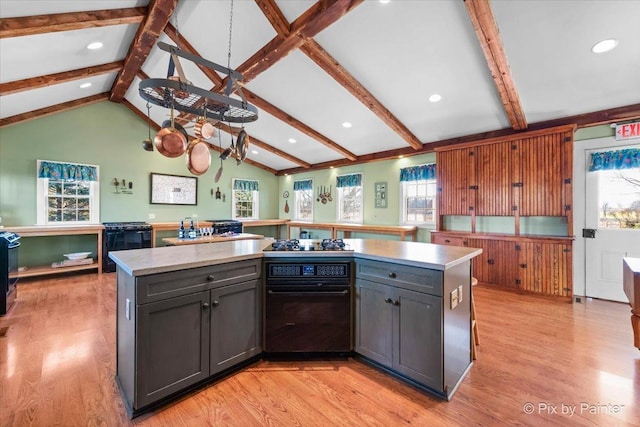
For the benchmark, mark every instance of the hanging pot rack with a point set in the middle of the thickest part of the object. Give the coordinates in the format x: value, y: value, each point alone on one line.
x: 195, y: 100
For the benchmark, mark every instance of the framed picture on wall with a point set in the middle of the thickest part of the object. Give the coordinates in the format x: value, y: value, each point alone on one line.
x: 173, y: 189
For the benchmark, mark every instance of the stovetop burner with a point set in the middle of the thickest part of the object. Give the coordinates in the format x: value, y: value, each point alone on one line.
x: 308, y: 245
x: 127, y: 226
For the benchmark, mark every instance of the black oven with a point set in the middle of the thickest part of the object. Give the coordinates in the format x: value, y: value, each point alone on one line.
x: 308, y: 306
x: 120, y: 236
x: 9, y: 243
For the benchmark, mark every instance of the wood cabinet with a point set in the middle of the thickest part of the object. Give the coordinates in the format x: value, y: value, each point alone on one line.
x: 521, y: 175
x: 540, y: 265
x: 178, y: 329
x: 406, y: 323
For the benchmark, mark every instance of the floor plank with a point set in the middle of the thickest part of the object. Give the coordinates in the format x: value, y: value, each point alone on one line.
x: 574, y: 363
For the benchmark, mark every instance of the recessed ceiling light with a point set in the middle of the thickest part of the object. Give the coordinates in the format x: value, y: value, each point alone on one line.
x: 384, y: 1
x: 94, y: 45
x: 254, y: 151
x: 346, y: 125
x: 435, y: 98
x: 85, y: 85
x: 292, y: 141
x: 604, y: 46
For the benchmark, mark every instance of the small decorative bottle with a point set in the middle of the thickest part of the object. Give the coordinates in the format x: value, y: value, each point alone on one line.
x: 181, y: 231
x: 192, y: 231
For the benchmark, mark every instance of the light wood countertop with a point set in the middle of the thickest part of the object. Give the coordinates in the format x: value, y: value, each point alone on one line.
x: 140, y: 262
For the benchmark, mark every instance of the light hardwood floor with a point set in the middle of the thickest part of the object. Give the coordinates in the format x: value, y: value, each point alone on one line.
x: 57, y: 367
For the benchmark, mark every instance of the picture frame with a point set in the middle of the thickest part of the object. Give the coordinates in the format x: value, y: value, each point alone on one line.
x: 173, y: 189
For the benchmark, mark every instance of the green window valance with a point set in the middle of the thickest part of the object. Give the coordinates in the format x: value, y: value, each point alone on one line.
x: 245, y: 184
x: 67, y: 171
x: 352, y: 180
x: 418, y: 173
x: 628, y: 158
x: 306, y: 184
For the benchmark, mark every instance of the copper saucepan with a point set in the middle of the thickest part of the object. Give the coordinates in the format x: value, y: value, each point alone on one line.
x: 171, y: 141
x: 198, y: 157
x: 204, y: 129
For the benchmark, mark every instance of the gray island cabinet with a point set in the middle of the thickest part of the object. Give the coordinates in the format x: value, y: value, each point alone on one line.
x: 188, y: 315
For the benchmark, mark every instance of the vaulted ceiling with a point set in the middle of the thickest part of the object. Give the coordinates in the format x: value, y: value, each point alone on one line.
x: 499, y: 67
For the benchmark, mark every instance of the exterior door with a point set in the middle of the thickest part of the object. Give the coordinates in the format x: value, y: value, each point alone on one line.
x: 612, y: 205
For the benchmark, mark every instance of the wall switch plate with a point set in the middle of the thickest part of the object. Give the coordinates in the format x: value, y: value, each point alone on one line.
x: 127, y: 309
x: 454, y: 298
x: 459, y: 294
x: 152, y: 216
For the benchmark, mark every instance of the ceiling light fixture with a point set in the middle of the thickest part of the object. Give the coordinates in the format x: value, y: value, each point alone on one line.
x: 94, y: 45
x: 604, y: 46
x: 85, y: 85
x: 384, y: 1
x: 292, y: 141
x: 346, y: 125
x: 435, y: 98
x: 254, y: 151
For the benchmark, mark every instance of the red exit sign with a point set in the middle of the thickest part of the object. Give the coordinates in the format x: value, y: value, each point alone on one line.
x: 628, y: 131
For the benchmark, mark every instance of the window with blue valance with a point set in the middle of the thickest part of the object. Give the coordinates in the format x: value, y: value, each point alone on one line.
x: 418, y: 173
x: 628, y: 158
x: 67, y: 171
x: 352, y: 180
x: 307, y: 184
x: 245, y: 184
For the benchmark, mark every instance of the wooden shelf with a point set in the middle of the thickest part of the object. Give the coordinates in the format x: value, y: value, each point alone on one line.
x: 41, y: 271
x: 399, y: 230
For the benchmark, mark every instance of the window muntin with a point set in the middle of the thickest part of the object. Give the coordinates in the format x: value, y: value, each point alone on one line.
x: 418, y: 202
x: 245, y: 199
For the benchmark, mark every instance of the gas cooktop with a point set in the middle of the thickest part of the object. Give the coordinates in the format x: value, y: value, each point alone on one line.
x: 311, y: 245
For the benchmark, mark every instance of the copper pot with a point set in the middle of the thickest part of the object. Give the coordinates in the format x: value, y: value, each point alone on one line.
x: 170, y: 142
x: 204, y: 129
x: 198, y: 157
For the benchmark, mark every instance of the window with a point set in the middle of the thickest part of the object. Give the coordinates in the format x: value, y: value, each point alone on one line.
x: 303, y: 200
x: 418, y: 194
x: 245, y: 199
x: 349, y: 198
x: 67, y: 193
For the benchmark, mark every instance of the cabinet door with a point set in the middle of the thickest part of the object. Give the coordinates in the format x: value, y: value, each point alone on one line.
x: 456, y: 173
x: 541, y: 171
x: 493, y: 172
x: 544, y: 268
x: 172, y: 346
x: 374, y: 321
x: 235, y: 326
x: 498, y: 263
x: 417, y: 349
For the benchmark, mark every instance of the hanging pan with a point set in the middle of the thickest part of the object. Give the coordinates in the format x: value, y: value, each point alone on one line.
x: 198, y: 157
x: 171, y: 141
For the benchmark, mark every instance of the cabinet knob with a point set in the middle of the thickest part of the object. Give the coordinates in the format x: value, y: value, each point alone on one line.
x: 396, y: 302
x: 215, y: 303
x: 447, y: 241
x: 205, y: 305
x: 392, y: 275
x: 388, y: 300
x: 211, y: 278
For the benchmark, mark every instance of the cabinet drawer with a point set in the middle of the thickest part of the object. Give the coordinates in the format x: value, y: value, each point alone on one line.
x: 403, y: 276
x: 157, y: 287
x: 448, y: 240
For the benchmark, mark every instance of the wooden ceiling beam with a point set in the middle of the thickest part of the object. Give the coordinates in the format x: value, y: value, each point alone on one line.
x: 275, y: 16
x: 325, y: 61
x: 488, y: 35
x: 618, y: 114
x: 158, y: 15
x: 42, y: 24
x: 53, y: 109
x: 258, y: 143
x: 318, y: 17
x: 57, y: 78
x: 296, y: 124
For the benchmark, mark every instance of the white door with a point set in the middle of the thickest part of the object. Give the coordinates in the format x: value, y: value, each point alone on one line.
x: 612, y: 205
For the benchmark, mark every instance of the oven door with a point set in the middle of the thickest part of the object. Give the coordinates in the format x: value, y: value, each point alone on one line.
x: 307, y: 320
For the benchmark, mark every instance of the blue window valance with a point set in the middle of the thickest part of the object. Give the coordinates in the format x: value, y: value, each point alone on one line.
x: 418, y: 173
x: 352, y: 180
x: 628, y: 158
x: 245, y: 184
x: 67, y: 171
x: 307, y: 184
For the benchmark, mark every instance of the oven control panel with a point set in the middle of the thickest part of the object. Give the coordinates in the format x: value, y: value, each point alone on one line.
x: 308, y: 270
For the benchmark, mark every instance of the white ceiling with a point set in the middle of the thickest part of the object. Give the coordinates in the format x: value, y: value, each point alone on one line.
x: 402, y: 52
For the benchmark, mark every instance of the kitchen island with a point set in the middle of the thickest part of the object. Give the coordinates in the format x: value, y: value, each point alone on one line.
x: 189, y: 315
